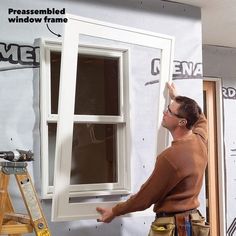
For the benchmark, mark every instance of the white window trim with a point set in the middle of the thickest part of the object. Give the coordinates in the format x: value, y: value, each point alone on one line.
x: 123, y: 184
x: 62, y: 210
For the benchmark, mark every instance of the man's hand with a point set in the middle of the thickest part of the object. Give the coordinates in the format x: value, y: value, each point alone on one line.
x: 172, y: 90
x: 106, y: 215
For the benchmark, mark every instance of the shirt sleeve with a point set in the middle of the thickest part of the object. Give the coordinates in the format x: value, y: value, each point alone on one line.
x: 161, y: 181
x: 200, y: 127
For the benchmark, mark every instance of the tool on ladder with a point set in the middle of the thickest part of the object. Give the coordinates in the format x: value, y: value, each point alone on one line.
x: 16, y: 224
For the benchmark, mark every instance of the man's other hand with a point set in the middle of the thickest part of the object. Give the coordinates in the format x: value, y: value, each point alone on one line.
x: 172, y: 90
x: 106, y: 215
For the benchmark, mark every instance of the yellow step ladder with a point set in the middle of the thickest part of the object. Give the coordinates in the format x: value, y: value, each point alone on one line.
x: 14, y: 224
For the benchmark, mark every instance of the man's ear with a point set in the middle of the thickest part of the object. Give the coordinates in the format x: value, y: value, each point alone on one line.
x: 183, y: 122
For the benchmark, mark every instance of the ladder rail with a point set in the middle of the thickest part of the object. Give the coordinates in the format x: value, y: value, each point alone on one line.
x: 4, y: 180
x: 32, y: 204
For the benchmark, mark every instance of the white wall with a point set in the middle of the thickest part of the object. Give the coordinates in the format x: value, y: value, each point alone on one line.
x: 19, y: 89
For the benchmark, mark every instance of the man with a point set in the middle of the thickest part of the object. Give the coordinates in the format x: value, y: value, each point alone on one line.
x: 176, y: 180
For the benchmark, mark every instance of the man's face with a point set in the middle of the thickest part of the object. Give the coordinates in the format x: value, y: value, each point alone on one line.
x: 170, y: 118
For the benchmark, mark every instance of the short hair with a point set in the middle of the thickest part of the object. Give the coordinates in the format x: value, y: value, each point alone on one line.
x: 188, y: 110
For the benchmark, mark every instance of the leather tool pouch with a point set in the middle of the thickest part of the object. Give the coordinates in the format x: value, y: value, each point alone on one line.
x: 163, y: 226
x: 182, y: 222
x: 199, y: 226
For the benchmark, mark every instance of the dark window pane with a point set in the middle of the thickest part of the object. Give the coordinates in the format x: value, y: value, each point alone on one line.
x: 55, y: 79
x: 97, y: 86
x: 94, y: 154
x: 52, y: 129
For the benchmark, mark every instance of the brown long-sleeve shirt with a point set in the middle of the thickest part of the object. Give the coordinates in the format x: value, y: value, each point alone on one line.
x: 176, y: 180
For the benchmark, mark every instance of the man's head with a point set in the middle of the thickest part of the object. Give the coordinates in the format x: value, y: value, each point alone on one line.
x: 183, y: 112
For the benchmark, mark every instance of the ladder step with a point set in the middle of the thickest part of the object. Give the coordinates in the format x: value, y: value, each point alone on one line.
x: 24, y: 219
x: 12, y: 223
x: 16, y: 229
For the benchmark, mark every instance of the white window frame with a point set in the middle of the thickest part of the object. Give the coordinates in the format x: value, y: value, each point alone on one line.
x: 62, y: 210
x: 122, y: 186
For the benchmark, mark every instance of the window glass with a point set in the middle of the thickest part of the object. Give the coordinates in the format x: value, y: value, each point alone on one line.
x: 96, y: 87
x: 55, y: 63
x: 52, y: 129
x: 94, y: 158
x: 94, y: 154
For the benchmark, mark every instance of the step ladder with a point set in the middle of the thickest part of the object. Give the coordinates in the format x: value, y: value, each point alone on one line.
x: 14, y: 224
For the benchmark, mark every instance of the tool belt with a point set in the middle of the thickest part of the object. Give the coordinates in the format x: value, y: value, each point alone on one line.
x: 180, y: 224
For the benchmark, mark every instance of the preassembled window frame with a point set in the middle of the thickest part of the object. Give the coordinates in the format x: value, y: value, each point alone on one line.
x: 62, y: 209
